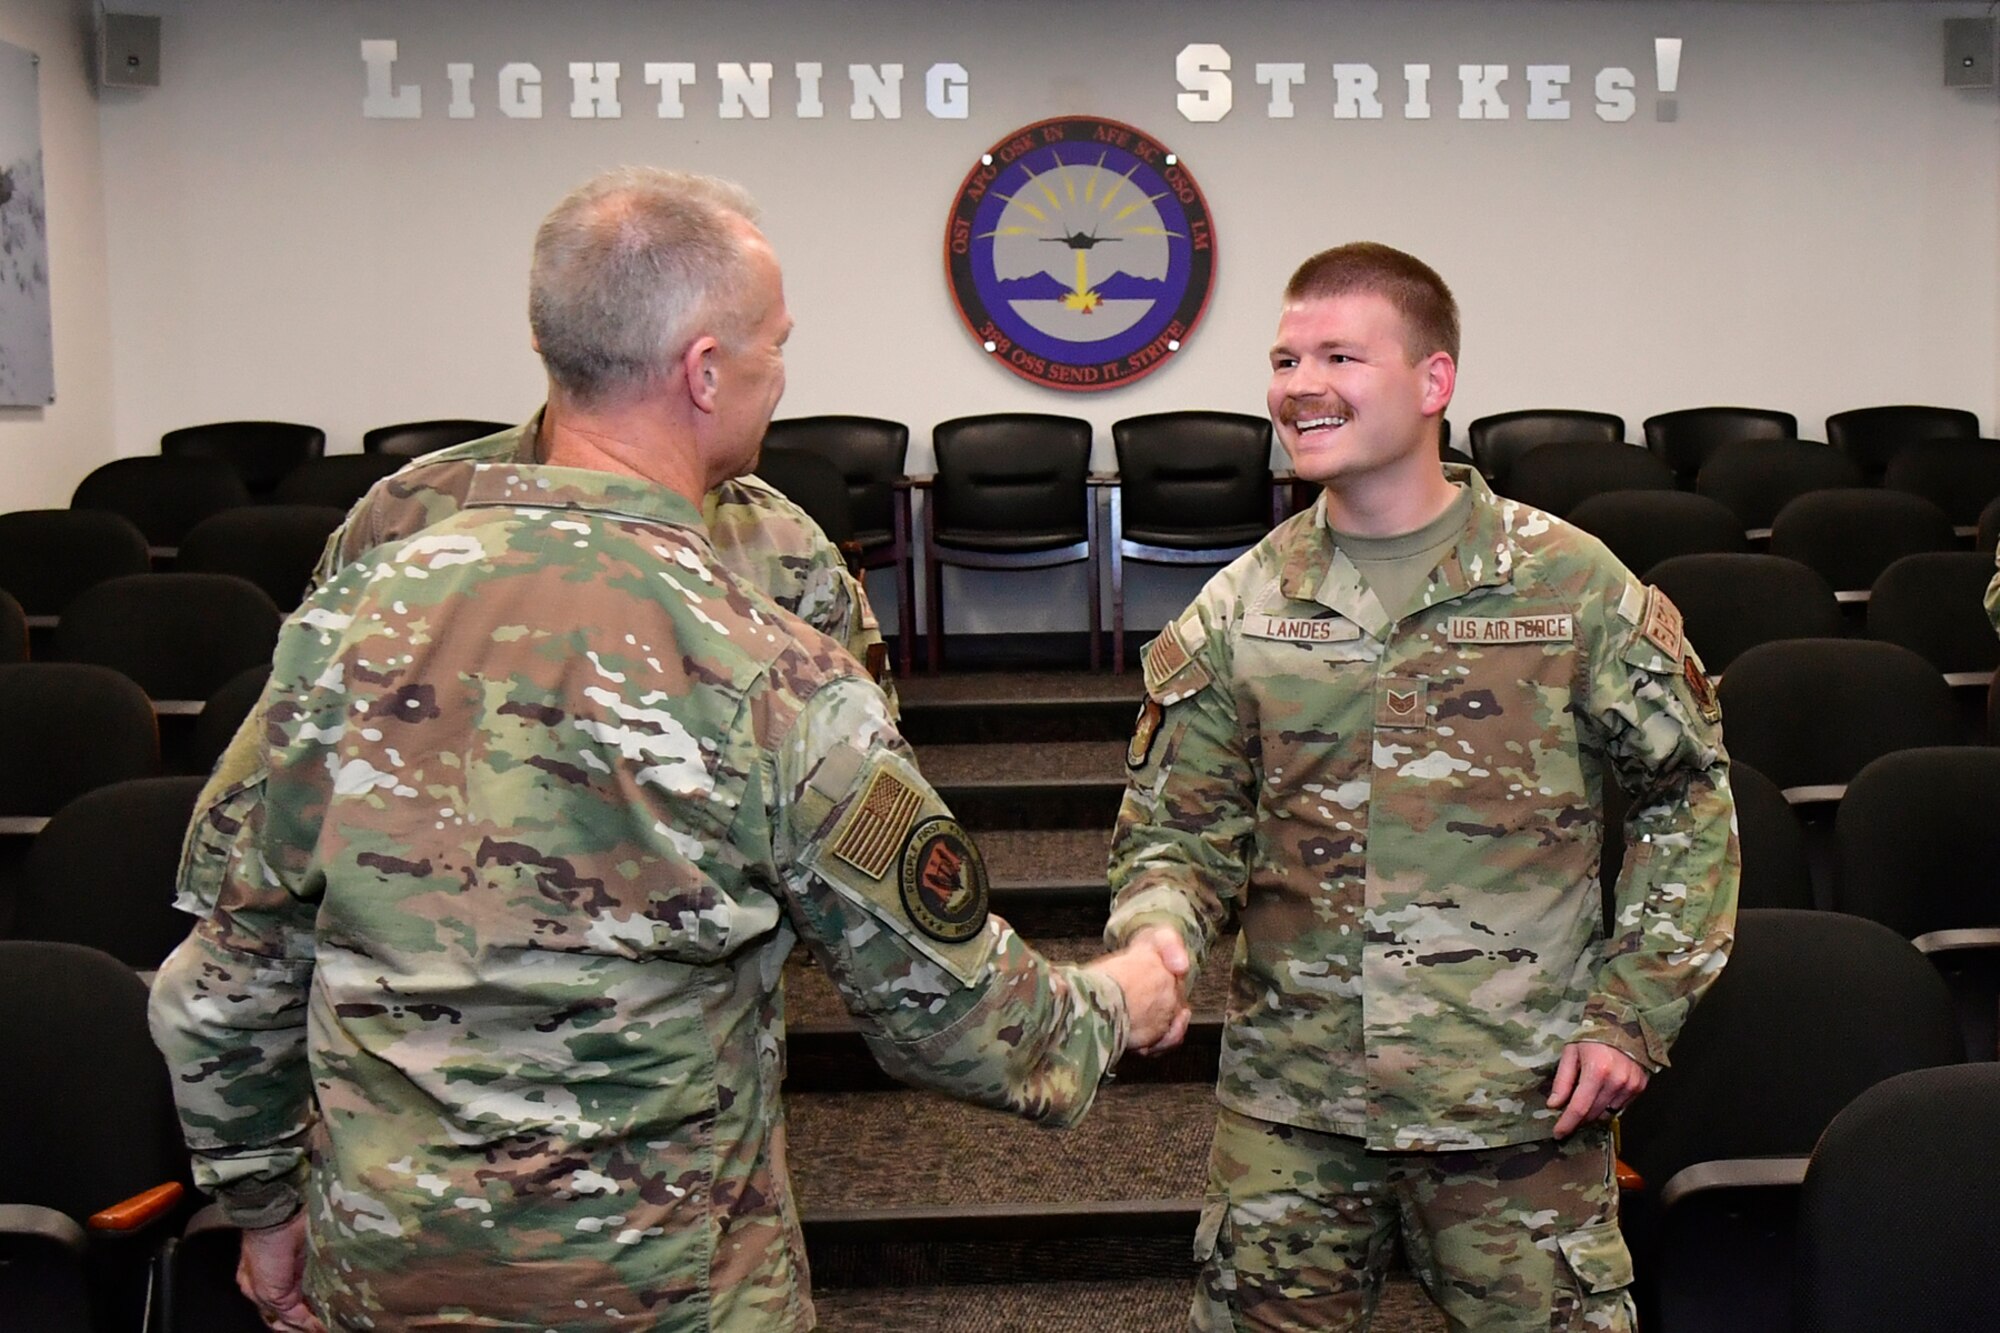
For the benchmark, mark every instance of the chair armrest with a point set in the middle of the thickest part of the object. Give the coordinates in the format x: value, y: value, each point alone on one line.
x: 1734, y: 1174
x: 142, y: 1209
x: 28, y: 1219
x: 1959, y: 941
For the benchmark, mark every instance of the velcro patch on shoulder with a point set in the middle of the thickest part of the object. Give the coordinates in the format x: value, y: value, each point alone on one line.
x: 873, y: 831
x: 1661, y: 624
x: 1172, y: 671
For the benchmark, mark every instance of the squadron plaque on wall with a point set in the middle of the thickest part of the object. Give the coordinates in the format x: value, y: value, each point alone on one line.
x: 1080, y: 253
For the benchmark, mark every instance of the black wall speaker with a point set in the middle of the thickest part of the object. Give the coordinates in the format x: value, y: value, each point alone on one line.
x: 1968, y: 53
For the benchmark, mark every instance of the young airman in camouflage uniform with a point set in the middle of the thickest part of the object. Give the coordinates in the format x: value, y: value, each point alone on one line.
x: 1398, y: 801
x: 482, y: 1021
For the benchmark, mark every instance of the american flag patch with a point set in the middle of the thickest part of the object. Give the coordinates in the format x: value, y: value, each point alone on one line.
x: 1165, y: 655
x: 872, y: 834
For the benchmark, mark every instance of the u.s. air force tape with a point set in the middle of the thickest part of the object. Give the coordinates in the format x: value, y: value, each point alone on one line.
x: 943, y: 881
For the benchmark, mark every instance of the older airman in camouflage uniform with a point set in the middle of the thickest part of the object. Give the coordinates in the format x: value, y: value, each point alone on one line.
x: 1399, y: 805
x: 483, y: 1023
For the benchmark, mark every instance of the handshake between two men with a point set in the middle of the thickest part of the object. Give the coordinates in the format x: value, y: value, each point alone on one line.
x: 1152, y: 971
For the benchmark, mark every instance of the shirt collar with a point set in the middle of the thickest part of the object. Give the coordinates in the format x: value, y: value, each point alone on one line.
x: 541, y: 486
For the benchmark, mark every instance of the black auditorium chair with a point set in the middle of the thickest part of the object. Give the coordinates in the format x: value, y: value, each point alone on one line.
x: 1932, y: 605
x: 92, y: 1173
x: 262, y: 452
x: 1899, y: 1217
x: 1813, y: 1009
x: 815, y: 485
x: 275, y: 546
x: 1918, y: 849
x: 162, y: 497
x: 222, y: 713
x: 48, y: 556
x: 1011, y: 492
x: 1988, y: 537
x: 1851, y: 536
x: 1558, y: 476
x: 1811, y: 713
x: 1757, y: 478
x: 1871, y: 436
x: 180, y: 636
x: 413, y: 439
x: 1961, y: 477
x: 66, y: 728
x: 13, y: 630
x: 337, y: 480
x: 1194, y: 488
x: 1642, y: 528
x: 1776, y: 871
x: 1733, y: 601
x: 1497, y: 440
x: 1683, y: 440
x: 871, y: 454
x: 102, y: 871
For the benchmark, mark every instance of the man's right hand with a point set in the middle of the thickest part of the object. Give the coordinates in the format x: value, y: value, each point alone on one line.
x: 1150, y: 970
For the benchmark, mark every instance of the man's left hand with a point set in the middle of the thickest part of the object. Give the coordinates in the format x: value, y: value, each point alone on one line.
x: 1594, y: 1082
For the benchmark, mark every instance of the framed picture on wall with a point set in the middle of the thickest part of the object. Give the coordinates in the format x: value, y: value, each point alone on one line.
x: 27, y: 353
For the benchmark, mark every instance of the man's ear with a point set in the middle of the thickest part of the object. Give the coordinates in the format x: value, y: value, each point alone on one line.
x: 700, y: 367
x: 1440, y: 378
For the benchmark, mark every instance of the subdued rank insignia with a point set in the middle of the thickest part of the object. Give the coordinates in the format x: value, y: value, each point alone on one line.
x: 875, y: 825
x: 1661, y: 624
x: 1703, y: 692
x: 1140, y: 748
x: 1401, y: 705
x: 944, y: 881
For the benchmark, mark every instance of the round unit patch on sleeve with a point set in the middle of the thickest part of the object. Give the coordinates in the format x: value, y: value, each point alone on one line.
x: 944, y: 881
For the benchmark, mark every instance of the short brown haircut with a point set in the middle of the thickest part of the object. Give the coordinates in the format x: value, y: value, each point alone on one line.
x: 1404, y: 281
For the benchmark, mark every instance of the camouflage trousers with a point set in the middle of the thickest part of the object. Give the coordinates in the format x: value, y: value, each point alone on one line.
x: 1299, y: 1228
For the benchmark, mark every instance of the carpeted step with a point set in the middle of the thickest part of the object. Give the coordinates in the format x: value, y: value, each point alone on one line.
x: 988, y: 706
x: 1047, y: 785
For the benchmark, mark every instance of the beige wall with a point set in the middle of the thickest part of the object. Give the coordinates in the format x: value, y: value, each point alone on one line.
x: 44, y: 452
x: 1819, y: 230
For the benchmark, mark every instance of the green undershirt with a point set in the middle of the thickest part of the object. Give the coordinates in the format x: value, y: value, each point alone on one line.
x: 1397, y: 568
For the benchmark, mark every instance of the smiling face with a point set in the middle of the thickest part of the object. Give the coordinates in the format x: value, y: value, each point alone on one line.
x: 1346, y: 398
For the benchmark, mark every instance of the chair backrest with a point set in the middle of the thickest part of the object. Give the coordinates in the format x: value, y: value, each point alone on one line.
x: 813, y: 483
x: 275, y: 546
x: 262, y: 452
x: 338, y: 480
x: 1812, y: 1009
x: 68, y: 727
x: 1811, y: 713
x: 1730, y: 602
x: 1930, y: 604
x: 162, y: 497
x: 88, y: 1120
x: 1015, y: 477
x: 48, y: 556
x: 1988, y: 537
x: 871, y: 454
x: 13, y: 630
x: 1871, y: 436
x: 1851, y: 536
x: 1961, y: 477
x: 1684, y: 439
x: 1757, y: 478
x: 180, y: 636
x: 1497, y: 440
x: 102, y: 872
x: 1558, y: 476
x: 1898, y: 1223
x: 1642, y: 528
x: 223, y: 712
x: 1776, y: 868
x: 1919, y: 840
x: 412, y: 439
x: 1194, y: 479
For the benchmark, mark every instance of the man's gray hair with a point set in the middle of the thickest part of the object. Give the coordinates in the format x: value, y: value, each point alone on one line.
x: 626, y: 268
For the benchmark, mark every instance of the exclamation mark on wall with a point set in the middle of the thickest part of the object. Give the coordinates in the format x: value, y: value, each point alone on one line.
x: 1667, y: 65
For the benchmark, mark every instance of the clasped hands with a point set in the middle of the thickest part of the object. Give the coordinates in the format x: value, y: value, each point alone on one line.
x: 1151, y: 969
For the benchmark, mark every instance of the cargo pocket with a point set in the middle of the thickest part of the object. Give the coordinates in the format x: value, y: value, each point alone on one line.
x: 1601, y: 1267
x: 1215, y: 1285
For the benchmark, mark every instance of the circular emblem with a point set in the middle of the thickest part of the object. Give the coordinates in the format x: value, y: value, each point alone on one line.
x: 944, y: 881
x: 1080, y: 253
